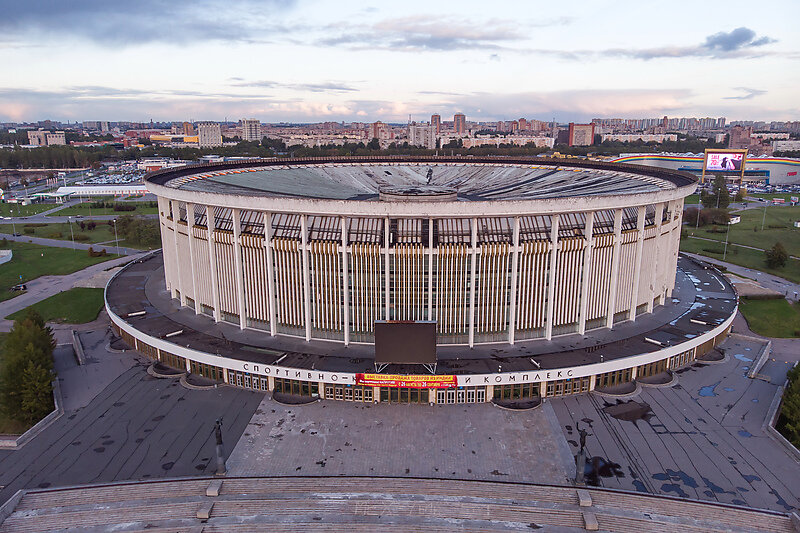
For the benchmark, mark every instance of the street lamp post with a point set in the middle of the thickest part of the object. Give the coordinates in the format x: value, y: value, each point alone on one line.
x: 725, y: 252
x: 71, y: 233
x: 116, y: 239
x: 764, y: 219
x: 13, y: 225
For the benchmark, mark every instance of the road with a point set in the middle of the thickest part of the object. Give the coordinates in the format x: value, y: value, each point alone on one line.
x: 769, y: 281
x: 58, y: 243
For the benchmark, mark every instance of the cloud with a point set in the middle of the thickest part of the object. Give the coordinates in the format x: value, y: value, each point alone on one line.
x: 741, y: 42
x: 144, y: 21
x: 749, y: 94
x: 301, y: 87
x: 430, y: 33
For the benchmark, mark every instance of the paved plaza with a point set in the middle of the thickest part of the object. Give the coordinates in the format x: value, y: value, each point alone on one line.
x: 701, y: 438
x: 474, y: 441
x: 136, y: 427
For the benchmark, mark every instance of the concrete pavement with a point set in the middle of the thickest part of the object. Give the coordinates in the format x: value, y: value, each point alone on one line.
x: 58, y: 243
x: 769, y: 281
x: 121, y: 423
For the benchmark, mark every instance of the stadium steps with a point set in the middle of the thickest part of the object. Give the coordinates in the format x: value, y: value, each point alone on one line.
x: 366, y: 504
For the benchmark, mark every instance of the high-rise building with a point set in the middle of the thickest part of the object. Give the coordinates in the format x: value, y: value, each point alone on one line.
x: 209, y: 134
x: 422, y: 135
x: 188, y: 128
x: 379, y: 130
x: 739, y: 138
x: 436, y: 122
x: 523, y: 124
x: 581, y: 134
x: 460, y: 123
x: 251, y: 129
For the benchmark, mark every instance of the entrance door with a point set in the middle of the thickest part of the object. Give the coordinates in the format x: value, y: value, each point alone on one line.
x: 470, y: 395
x: 461, y: 396
x: 480, y: 395
x: 451, y: 396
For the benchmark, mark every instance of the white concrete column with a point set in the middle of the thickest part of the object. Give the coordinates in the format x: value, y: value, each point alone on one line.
x: 657, y: 262
x: 270, y: 272
x: 637, y: 261
x: 237, y: 262
x: 473, y: 223
x: 512, y: 301
x: 176, y: 214
x: 306, y: 277
x: 588, y: 247
x: 386, y: 271
x: 190, y: 231
x: 551, y: 283
x: 345, y: 282
x: 212, y: 258
x: 612, y: 286
x: 431, y: 270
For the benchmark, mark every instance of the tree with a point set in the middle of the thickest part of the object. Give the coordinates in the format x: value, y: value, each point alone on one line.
x: 29, y: 342
x: 776, y: 256
x: 718, y: 197
x: 739, y: 196
x: 36, y: 393
x: 374, y: 144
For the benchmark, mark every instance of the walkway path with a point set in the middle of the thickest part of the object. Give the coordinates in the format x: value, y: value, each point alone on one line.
x: 46, y: 286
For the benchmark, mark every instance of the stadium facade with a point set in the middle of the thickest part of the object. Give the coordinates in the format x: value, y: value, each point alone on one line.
x: 495, y: 251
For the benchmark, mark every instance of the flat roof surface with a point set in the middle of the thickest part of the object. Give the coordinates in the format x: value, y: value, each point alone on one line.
x: 702, y: 300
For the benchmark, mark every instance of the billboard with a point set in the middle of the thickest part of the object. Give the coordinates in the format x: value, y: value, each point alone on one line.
x: 411, y: 381
x: 724, y: 161
x: 405, y: 342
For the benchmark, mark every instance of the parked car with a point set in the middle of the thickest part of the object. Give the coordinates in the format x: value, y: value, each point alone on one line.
x: 19, y: 287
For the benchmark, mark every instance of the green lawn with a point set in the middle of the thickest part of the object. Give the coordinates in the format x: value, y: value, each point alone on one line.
x: 772, y: 318
x: 32, y: 260
x: 75, y: 306
x: 692, y: 199
x: 742, y: 257
x: 7, y: 425
x: 85, y: 209
x: 61, y: 231
x: 780, y: 218
x: 18, y: 210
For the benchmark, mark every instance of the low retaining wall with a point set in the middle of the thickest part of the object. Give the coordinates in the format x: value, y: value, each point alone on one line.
x: 772, y: 419
x: 5, y: 256
x: 14, y: 442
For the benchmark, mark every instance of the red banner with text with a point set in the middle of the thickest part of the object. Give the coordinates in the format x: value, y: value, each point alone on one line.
x: 414, y: 382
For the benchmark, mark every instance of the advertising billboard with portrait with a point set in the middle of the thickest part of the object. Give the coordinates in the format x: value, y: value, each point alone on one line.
x: 724, y: 161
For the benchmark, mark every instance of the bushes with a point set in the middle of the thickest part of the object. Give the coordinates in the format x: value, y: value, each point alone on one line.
x: 707, y: 216
x: 92, y: 253
x: 81, y: 237
x: 776, y: 296
x: 124, y: 207
x: 34, y: 225
x: 776, y: 256
x: 29, y: 231
x: 55, y: 235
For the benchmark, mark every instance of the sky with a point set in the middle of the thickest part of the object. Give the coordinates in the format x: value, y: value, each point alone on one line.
x: 313, y: 60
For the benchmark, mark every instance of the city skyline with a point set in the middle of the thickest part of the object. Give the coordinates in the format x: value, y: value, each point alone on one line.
x: 303, y: 61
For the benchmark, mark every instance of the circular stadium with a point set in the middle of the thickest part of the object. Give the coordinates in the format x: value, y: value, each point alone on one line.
x: 530, y: 258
